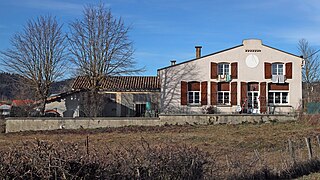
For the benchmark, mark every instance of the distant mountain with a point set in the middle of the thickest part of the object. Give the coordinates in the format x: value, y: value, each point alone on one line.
x: 8, y: 85
x: 61, y: 86
x: 12, y: 87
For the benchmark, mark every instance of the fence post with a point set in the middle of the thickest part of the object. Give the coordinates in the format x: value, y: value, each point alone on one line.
x: 291, y: 151
x: 87, y: 144
x: 308, y: 142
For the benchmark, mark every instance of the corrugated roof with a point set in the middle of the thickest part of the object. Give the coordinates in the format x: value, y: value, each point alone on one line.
x: 61, y: 95
x: 121, y: 83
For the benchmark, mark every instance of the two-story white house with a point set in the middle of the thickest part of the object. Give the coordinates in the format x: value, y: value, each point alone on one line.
x: 248, y: 78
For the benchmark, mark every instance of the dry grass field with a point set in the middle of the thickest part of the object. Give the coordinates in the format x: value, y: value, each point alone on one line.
x: 231, y: 149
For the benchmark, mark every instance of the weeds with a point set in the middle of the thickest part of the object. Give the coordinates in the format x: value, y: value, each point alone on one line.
x: 42, y: 160
x: 294, y: 171
x: 167, y: 152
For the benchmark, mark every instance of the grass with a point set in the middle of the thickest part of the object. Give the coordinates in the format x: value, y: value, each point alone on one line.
x: 314, y: 176
x: 227, y: 144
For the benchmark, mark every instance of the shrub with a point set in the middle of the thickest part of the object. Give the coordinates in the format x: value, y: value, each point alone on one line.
x: 43, y: 160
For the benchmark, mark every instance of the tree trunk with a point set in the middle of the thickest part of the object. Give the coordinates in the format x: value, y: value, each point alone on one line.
x: 43, y: 107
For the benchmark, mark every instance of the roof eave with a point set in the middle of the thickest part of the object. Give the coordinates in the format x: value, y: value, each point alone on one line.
x: 282, y: 51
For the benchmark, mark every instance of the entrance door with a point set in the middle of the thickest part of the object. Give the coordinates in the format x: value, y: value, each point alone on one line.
x: 140, y: 110
x: 253, y: 102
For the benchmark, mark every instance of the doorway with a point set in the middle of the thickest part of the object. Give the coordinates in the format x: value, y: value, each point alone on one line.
x: 253, y: 105
x: 253, y: 102
x: 140, y: 110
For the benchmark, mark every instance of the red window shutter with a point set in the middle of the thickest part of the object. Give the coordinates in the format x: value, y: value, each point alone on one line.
x: 204, y: 93
x: 194, y: 86
x: 243, y: 92
x: 184, y: 93
x: 223, y: 86
x: 214, y: 70
x: 234, y: 70
x: 234, y: 93
x: 289, y: 70
x: 213, y: 93
x: 263, y: 98
x: 267, y: 70
x: 284, y: 86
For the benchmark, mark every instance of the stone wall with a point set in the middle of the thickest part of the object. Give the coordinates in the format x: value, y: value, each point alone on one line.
x: 35, y: 124
x: 224, y: 119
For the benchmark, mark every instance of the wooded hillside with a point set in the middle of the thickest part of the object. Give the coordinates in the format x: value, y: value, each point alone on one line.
x: 12, y: 86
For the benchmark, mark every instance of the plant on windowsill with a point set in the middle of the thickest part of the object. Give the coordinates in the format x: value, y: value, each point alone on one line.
x: 209, y: 109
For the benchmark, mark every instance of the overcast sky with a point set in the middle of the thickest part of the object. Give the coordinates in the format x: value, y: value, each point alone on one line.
x: 163, y: 30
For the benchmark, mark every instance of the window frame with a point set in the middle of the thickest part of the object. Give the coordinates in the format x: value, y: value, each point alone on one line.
x: 193, y: 102
x: 277, y: 68
x: 224, y: 72
x: 223, y: 98
x: 280, y: 98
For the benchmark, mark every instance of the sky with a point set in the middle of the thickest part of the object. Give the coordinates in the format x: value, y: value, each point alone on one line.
x: 165, y: 30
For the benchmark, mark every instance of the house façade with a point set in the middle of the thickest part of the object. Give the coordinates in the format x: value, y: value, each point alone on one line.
x: 248, y: 78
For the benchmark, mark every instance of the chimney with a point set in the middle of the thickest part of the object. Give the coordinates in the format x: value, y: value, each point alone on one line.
x: 173, y: 62
x: 198, y: 51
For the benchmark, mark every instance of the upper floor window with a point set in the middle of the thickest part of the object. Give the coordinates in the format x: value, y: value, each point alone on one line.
x: 277, y: 69
x: 223, y: 69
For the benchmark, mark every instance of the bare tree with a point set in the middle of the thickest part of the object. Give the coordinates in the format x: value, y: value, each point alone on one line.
x: 311, y: 68
x: 101, y: 47
x: 38, y: 54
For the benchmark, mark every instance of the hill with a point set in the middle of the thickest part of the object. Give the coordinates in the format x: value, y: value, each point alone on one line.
x: 8, y: 85
x: 13, y: 87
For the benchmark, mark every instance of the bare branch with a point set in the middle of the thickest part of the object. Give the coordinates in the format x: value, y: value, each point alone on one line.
x: 310, y: 71
x: 100, y: 46
x: 38, y: 54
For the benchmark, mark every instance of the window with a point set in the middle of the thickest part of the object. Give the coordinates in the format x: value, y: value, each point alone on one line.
x: 223, y: 97
x: 277, y: 69
x: 223, y: 69
x: 194, y: 97
x: 223, y: 93
x: 194, y: 93
x: 278, y: 98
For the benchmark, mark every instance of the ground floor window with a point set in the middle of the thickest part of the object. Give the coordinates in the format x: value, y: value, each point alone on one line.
x: 278, y: 97
x: 194, y: 97
x: 223, y: 97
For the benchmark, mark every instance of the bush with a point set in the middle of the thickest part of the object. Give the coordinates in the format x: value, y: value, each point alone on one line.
x: 210, y: 110
x: 43, y: 160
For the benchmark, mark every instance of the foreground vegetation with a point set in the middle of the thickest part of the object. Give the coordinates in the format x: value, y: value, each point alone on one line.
x: 171, y: 152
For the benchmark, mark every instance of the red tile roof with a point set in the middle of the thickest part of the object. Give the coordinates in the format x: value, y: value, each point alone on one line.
x: 26, y: 102
x: 121, y: 83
